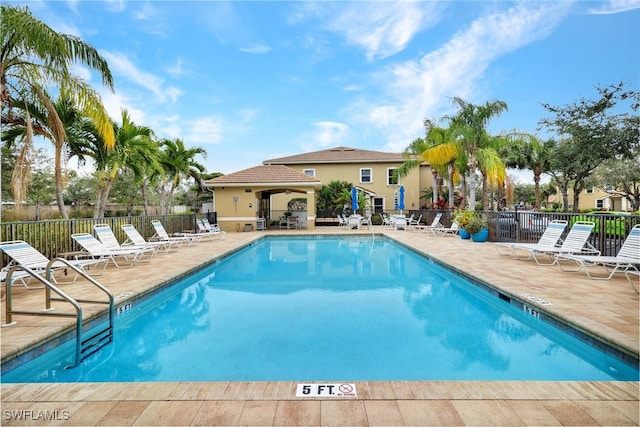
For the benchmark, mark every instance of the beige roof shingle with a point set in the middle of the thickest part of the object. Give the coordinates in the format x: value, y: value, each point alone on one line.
x: 265, y: 174
x: 338, y: 155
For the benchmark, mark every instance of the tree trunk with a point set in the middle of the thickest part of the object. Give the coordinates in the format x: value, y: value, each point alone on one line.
x: 145, y: 199
x: 450, y: 172
x: 58, y: 176
x: 105, y: 198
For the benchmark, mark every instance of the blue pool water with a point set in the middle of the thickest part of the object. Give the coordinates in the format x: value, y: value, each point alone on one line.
x: 328, y: 308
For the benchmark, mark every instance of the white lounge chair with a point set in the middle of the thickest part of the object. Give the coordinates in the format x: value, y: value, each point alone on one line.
x: 206, y: 230
x: 628, y: 258
x: 106, y: 236
x: 576, y: 243
x: 415, y: 223
x: 95, y: 249
x: 633, y: 277
x: 212, y: 228
x: 342, y: 222
x: 444, y: 231
x: 550, y: 238
x: 135, y: 238
x: 163, y: 236
x: 434, y: 224
x: 23, y: 254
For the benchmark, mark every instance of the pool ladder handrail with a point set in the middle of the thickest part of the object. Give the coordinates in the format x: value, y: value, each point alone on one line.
x: 84, y: 348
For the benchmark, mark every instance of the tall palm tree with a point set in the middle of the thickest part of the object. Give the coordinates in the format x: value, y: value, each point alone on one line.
x: 470, y: 124
x: 179, y: 162
x: 133, y: 149
x: 526, y: 151
x: 441, y: 151
x: 34, y: 57
x: 65, y: 131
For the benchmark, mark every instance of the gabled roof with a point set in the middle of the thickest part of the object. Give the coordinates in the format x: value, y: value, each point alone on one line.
x: 338, y: 155
x: 264, y: 175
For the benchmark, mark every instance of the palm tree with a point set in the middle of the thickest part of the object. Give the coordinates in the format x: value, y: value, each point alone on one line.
x: 470, y: 124
x: 134, y: 149
x: 66, y: 130
x: 441, y: 151
x: 178, y: 162
x: 526, y: 151
x: 34, y: 56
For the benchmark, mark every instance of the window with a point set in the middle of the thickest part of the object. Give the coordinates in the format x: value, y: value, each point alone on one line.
x: 600, y: 204
x: 366, y: 175
x: 589, y: 190
x: 378, y: 204
x: 309, y: 172
x: 392, y: 178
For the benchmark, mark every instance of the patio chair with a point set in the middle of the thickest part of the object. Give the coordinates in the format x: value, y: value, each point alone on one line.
x: 445, y: 231
x: 434, y: 224
x: 550, y: 238
x: 97, y: 250
x: 292, y: 222
x: 202, y: 232
x: 574, y: 244
x: 23, y: 254
x: 162, y: 235
x: 414, y: 223
x: 261, y: 224
x: 628, y: 258
x: 109, y: 240
x: 212, y: 228
x: 135, y: 238
x: 342, y: 222
x: 387, y: 222
x: 633, y: 277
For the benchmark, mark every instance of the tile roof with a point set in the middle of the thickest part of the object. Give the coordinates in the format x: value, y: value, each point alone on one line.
x: 264, y: 174
x: 338, y: 155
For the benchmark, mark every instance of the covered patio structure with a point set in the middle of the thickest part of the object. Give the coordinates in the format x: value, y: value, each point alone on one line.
x: 241, y: 198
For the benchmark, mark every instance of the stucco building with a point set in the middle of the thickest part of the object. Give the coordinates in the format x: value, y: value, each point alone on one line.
x: 242, y: 197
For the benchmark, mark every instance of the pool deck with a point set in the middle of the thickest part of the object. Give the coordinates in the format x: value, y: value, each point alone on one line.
x: 607, y: 309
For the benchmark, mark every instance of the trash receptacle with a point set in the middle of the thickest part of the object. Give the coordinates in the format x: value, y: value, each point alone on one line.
x: 248, y: 227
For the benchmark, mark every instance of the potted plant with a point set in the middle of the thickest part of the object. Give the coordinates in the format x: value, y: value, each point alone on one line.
x: 462, y: 217
x: 478, y: 227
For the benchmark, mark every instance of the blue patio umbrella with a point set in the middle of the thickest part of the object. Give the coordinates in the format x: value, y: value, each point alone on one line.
x: 401, y: 198
x: 354, y: 199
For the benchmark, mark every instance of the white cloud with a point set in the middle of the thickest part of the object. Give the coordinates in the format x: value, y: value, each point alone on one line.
x: 616, y: 6
x: 329, y: 133
x: 176, y: 70
x: 204, y: 131
x: 120, y: 64
x: 382, y: 29
x: 422, y: 88
x: 116, y: 5
x: 256, y: 48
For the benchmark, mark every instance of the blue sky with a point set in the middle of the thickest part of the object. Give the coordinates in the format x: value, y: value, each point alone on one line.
x: 249, y: 81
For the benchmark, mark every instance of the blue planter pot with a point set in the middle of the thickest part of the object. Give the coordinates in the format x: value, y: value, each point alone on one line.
x: 464, y: 234
x: 481, y: 236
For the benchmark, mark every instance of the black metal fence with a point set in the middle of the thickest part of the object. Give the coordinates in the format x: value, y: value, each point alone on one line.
x: 54, y: 237
x: 609, y: 233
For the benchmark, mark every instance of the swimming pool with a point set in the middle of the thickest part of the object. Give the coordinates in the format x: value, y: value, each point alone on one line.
x: 328, y: 308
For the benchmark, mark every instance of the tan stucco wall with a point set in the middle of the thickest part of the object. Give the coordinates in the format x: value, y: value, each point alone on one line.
x: 238, y: 206
x: 414, y: 183
x: 588, y: 200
